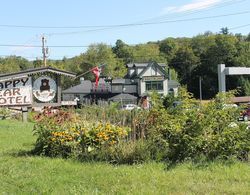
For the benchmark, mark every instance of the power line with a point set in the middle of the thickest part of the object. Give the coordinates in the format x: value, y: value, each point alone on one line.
x: 81, y: 46
x: 126, y: 25
x: 237, y: 27
x: 149, y: 23
x: 40, y: 46
x: 189, y: 12
x: 28, y: 42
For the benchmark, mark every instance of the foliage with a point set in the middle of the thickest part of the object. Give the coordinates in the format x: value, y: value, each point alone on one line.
x: 186, y: 131
x: 64, y: 134
x: 4, y: 113
x: 169, y: 47
x: 191, y: 58
x: 109, y: 113
x: 146, y: 53
x: 23, y: 174
x: 13, y: 64
x: 224, y: 31
x: 123, y: 51
x: 126, y: 152
x: 49, y: 121
x: 210, y: 131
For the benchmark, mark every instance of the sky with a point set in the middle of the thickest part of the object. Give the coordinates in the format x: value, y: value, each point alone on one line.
x: 71, y: 26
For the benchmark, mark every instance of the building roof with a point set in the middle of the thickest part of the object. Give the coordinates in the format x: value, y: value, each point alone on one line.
x: 118, y: 81
x: 83, y: 88
x: 33, y: 71
x: 123, y: 96
x: 173, y: 84
x: 150, y: 65
x: 121, y: 81
x: 142, y: 65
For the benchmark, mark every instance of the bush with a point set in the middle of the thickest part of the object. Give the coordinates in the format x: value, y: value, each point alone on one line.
x: 208, y: 130
x: 6, y: 113
x: 64, y: 134
x: 49, y: 123
x: 108, y: 113
x: 186, y: 132
x: 126, y: 152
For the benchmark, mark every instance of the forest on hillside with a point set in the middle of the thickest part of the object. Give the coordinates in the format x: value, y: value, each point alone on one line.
x: 188, y: 58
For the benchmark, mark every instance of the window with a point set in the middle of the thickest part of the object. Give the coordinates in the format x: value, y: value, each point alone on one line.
x: 154, y: 85
x: 171, y: 92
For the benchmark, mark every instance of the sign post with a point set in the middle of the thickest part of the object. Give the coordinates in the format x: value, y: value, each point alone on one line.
x: 36, y: 87
x: 25, y: 114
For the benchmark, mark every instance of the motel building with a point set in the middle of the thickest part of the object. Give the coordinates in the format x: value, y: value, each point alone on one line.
x: 141, y: 79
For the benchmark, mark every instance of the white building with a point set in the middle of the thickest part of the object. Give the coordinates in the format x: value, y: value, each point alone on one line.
x: 151, y: 77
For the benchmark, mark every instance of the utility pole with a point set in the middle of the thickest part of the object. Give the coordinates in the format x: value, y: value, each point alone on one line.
x: 44, y: 51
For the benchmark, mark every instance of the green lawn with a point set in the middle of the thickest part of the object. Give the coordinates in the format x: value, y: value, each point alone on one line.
x: 20, y: 174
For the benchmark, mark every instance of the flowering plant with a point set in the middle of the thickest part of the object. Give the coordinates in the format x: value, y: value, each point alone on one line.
x: 63, y: 134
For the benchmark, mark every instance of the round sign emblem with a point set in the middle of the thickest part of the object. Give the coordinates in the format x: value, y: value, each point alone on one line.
x: 44, y: 89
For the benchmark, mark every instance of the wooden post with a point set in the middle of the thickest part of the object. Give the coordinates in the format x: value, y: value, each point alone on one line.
x: 25, y: 114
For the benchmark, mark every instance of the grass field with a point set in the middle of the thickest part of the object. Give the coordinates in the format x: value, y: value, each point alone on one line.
x: 20, y: 174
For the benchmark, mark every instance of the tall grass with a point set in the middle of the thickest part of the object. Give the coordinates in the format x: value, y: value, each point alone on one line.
x: 24, y: 174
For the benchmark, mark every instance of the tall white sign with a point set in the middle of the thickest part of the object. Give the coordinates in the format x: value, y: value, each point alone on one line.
x: 16, y: 92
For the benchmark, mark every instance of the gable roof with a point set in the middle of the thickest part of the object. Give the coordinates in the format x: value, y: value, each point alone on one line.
x: 33, y: 71
x: 142, y: 65
x: 84, y: 87
x: 123, y: 96
x: 173, y: 84
x: 150, y: 65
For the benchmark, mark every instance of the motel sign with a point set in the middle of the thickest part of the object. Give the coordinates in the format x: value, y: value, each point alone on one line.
x: 16, y: 92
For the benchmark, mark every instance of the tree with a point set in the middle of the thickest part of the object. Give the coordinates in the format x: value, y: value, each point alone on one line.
x: 184, y: 63
x: 223, y: 51
x: 248, y: 37
x: 13, y: 64
x: 147, y: 52
x: 242, y: 57
x: 201, y: 43
x: 99, y: 54
x: 122, y: 50
x: 169, y: 47
x: 224, y: 31
x: 37, y: 63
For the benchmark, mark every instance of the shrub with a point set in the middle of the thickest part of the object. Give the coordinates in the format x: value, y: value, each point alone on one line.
x: 64, y: 134
x: 49, y: 124
x: 186, y: 132
x: 208, y: 130
x: 126, y: 152
x: 6, y: 113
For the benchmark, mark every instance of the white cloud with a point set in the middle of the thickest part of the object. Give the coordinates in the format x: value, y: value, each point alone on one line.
x: 194, y: 5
